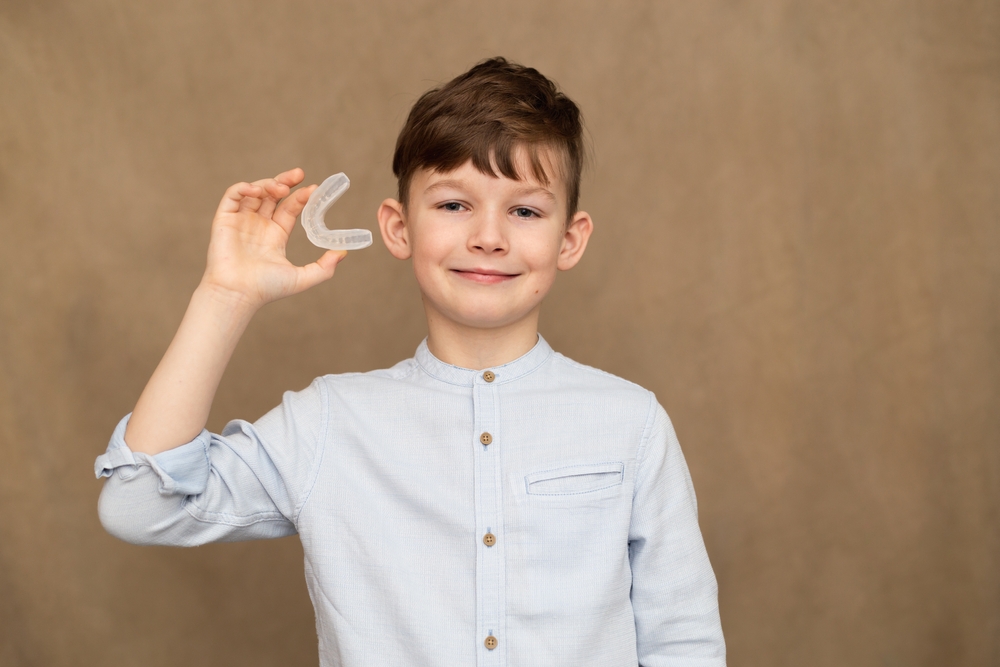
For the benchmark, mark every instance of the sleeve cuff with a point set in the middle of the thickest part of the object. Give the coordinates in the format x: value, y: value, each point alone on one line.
x: 182, y: 470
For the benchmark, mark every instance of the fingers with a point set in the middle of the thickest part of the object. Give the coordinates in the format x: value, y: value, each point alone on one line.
x: 290, y: 208
x: 273, y: 192
x: 235, y: 194
x: 261, y: 196
x: 291, y: 178
x: 322, y: 269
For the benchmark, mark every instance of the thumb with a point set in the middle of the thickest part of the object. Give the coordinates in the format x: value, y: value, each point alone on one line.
x: 321, y: 270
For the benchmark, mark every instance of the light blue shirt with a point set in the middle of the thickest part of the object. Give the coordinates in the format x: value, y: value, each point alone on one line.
x: 595, y: 560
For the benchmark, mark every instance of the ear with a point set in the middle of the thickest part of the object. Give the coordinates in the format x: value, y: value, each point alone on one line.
x: 395, y: 233
x: 574, y: 241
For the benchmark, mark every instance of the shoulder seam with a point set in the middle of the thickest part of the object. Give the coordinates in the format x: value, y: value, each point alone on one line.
x: 598, y: 371
x: 647, y: 430
x: 391, y: 373
x: 323, y: 437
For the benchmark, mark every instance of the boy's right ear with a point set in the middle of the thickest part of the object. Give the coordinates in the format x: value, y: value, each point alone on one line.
x: 395, y: 233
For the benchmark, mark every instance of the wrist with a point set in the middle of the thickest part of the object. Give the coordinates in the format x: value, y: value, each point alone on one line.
x: 223, y: 303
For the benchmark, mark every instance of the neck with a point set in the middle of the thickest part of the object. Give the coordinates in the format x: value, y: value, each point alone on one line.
x: 476, y: 348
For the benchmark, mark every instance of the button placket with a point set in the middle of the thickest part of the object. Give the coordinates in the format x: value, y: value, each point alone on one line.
x: 490, y: 576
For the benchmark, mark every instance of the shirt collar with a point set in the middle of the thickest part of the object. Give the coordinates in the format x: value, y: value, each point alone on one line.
x: 467, y: 377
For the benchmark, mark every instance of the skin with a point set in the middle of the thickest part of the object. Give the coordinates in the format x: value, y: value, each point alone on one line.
x: 485, y: 252
x: 246, y: 268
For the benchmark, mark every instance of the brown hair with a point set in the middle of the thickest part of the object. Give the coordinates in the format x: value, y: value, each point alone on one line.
x: 485, y: 115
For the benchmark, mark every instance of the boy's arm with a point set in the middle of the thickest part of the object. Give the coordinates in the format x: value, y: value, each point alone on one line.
x: 246, y: 268
x: 249, y: 482
x: 674, y: 592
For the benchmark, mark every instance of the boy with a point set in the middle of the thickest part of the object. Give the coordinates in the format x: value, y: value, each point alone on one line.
x: 487, y: 502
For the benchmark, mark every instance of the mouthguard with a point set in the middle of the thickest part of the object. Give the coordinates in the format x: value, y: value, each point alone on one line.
x: 319, y: 203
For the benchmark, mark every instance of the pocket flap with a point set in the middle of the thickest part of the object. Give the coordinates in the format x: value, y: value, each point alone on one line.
x: 575, y: 479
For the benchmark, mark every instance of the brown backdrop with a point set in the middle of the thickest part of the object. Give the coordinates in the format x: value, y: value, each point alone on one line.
x: 798, y: 250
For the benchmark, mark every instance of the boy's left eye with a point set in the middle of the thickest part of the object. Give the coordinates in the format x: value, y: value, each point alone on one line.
x: 523, y: 212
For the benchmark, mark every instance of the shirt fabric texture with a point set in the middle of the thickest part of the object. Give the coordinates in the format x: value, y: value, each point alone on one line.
x: 598, y: 560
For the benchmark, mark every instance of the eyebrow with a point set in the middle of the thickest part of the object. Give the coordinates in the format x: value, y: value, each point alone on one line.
x: 446, y: 183
x: 548, y: 194
x: 460, y: 184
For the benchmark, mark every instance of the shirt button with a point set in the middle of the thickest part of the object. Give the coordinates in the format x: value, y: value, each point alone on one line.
x: 489, y: 539
x: 489, y: 376
x: 486, y: 438
x: 491, y: 642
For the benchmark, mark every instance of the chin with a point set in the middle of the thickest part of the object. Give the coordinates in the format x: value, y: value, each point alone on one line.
x: 487, y: 319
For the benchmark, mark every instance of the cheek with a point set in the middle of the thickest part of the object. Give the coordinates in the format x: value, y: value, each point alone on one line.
x: 423, y: 270
x: 434, y: 241
x: 544, y: 255
x: 545, y: 281
x: 430, y: 259
x: 544, y: 272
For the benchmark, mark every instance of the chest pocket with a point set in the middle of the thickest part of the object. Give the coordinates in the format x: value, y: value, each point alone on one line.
x: 571, y: 480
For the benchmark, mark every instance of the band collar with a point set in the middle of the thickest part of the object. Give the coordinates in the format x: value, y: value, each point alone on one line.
x: 467, y: 377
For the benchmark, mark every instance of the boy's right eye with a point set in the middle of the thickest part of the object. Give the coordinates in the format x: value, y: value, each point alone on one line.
x: 452, y: 206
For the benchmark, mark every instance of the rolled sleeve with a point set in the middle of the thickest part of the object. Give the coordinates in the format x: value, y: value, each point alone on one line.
x: 182, y: 470
x: 249, y: 482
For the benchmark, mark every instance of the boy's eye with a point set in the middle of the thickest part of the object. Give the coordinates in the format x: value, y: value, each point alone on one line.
x: 452, y: 206
x: 523, y: 212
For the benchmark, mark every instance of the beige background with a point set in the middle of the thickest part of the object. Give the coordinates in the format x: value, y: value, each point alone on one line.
x: 798, y: 250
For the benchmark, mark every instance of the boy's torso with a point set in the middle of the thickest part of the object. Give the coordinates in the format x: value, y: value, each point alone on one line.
x: 449, y: 506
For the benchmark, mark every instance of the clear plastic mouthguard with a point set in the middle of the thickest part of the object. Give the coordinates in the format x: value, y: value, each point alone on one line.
x: 319, y: 202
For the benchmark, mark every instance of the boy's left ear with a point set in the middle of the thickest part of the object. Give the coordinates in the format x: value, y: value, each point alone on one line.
x: 575, y: 239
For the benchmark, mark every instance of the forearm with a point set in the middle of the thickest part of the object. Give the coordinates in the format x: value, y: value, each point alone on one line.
x: 175, y: 404
x: 246, y: 268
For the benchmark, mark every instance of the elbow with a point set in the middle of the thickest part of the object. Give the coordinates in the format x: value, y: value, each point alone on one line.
x: 121, y: 510
x: 112, y: 511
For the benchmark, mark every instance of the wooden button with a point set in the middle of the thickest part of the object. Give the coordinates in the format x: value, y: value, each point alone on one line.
x: 486, y: 438
x: 489, y: 376
x: 491, y: 642
x: 489, y: 539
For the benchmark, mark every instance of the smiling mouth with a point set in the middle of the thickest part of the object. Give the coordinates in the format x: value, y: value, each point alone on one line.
x: 484, y: 276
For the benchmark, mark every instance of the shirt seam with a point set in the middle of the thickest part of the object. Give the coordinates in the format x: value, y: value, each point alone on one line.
x: 324, y: 438
x: 597, y: 371
x: 525, y: 374
x: 473, y: 374
x: 563, y: 494
x: 647, y: 430
x: 604, y: 464
x: 238, y: 520
x: 575, y: 465
x: 434, y: 376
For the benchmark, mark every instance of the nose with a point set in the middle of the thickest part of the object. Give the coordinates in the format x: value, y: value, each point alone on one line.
x: 488, y: 234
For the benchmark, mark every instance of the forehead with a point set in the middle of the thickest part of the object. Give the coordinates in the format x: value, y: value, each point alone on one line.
x: 547, y: 179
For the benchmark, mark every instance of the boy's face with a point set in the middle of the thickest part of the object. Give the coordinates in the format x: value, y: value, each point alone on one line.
x: 485, y: 249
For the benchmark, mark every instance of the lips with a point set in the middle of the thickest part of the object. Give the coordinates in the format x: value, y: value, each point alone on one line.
x: 484, y: 276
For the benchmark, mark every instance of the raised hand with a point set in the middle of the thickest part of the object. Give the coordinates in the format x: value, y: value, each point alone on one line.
x: 246, y: 268
x: 246, y: 254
